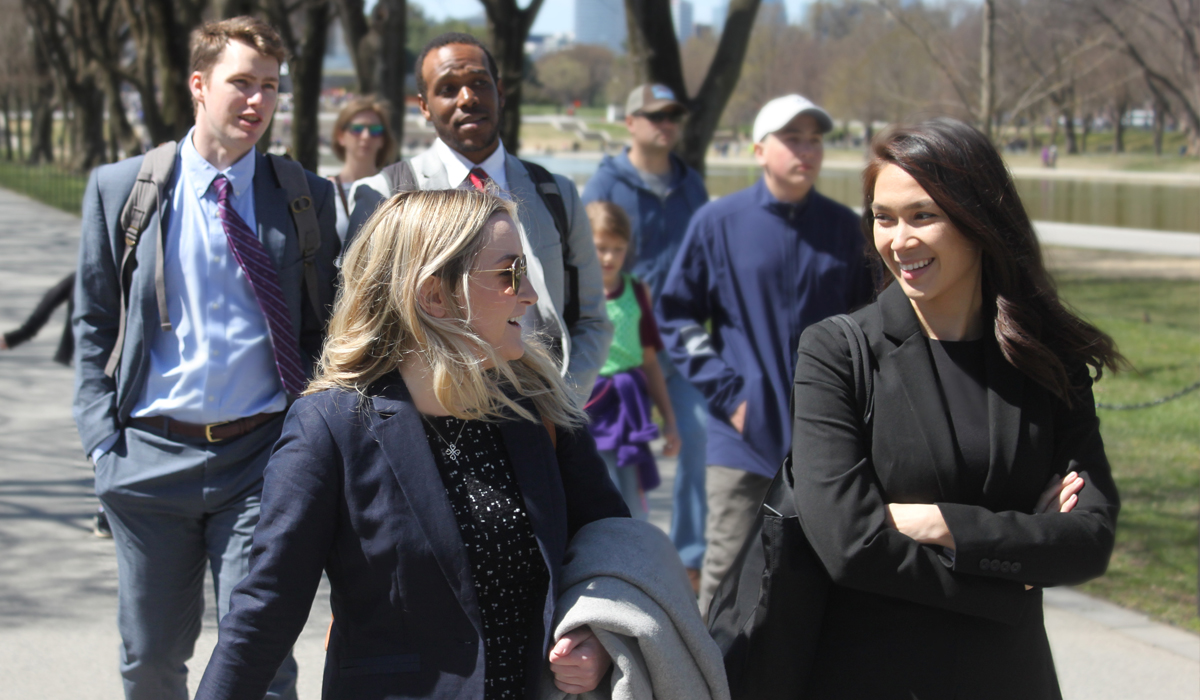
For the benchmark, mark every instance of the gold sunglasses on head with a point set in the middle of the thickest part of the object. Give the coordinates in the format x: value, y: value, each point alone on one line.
x: 516, y: 272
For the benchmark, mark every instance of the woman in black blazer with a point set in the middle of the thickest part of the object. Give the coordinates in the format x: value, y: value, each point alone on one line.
x: 981, y: 477
x: 435, y: 470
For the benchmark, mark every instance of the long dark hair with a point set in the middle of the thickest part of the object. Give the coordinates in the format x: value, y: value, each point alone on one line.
x: 960, y: 169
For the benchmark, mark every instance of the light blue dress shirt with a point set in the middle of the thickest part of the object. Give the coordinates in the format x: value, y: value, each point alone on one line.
x: 216, y: 363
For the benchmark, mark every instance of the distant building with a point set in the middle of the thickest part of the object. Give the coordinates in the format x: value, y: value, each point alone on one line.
x: 772, y: 12
x: 681, y: 13
x: 538, y: 45
x: 601, y: 22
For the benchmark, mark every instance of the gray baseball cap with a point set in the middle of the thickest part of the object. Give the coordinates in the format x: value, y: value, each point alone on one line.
x: 652, y: 97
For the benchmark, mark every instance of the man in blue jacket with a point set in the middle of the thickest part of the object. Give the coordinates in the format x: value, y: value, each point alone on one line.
x: 760, y: 266
x: 660, y: 193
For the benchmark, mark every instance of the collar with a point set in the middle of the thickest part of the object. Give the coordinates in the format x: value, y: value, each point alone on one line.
x: 199, y: 173
x: 788, y: 211
x: 457, y: 166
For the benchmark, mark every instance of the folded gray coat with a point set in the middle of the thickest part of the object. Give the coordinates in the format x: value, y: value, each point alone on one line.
x: 623, y: 578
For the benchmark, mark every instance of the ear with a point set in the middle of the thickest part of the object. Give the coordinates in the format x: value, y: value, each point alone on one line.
x: 431, y: 299
x: 629, y: 121
x: 759, y: 151
x: 196, y: 86
x: 424, y: 106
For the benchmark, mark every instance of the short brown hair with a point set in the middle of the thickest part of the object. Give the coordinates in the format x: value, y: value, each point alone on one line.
x: 366, y: 103
x: 211, y: 38
x: 607, y: 217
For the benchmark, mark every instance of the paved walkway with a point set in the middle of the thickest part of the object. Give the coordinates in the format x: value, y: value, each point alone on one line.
x: 58, y: 638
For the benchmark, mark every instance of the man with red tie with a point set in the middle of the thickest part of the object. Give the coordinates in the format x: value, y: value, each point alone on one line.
x: 460, y: 94
x: 190, y: 349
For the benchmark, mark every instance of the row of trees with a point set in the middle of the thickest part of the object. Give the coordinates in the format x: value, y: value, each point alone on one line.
x: 1006, y: 64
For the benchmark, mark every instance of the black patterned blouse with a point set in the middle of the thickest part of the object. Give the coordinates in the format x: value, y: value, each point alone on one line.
x: 509, y: 573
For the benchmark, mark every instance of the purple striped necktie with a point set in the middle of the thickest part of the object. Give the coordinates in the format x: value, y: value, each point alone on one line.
x: 255, y: 262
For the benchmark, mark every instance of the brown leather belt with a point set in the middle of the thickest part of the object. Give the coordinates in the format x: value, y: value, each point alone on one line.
x: 212, y: 432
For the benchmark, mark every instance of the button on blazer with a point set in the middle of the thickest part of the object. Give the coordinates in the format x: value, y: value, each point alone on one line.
x: 908, y: 620
x: 353, y: 490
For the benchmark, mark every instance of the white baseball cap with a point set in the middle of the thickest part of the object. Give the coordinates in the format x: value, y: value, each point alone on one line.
x: 778, y: 112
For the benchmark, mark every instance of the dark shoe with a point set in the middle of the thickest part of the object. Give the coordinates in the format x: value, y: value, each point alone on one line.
x: 100, y: 526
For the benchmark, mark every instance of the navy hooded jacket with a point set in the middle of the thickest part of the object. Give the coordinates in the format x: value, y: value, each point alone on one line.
x: 658, y: 224
x: 760, y: 271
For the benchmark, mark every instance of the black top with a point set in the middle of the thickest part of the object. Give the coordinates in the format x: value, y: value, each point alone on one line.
x: 963, y: 376
x: 507, y: 568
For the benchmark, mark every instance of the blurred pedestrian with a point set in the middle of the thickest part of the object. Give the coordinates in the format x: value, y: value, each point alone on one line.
x: 660, y: 193
x: 631, y: 378
x: 363, y: 142
x: 757, y: 268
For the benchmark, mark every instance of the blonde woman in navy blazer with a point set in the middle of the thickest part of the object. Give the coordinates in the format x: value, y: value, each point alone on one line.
x: 982, y: 476
x: 426, y: 326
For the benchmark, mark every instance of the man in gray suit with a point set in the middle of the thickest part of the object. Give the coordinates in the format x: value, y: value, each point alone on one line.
x: 181, y: 425
x: 459, y: 93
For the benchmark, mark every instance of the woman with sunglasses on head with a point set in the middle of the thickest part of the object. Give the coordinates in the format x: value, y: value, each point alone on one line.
x: 981, y: 476
x: 435, y: 469
x: 363, y: 141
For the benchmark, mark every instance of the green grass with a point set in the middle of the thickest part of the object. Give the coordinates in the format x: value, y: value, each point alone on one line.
x: 1155, y: 452
x: 48, y: 184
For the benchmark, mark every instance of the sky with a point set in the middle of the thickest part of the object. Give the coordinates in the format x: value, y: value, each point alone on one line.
x: 559, y: 15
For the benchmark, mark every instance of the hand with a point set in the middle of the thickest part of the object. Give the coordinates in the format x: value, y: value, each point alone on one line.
x: 3, y: 343
x: 738, y: 419
x: 1060, y: 496
x: 922, y: 522
x: 671, y: 433
x: 579, y: 661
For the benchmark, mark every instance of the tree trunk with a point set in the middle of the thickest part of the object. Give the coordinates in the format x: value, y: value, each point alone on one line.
x: 1160, y: 123
x: 354, y: 31
x: 653, y: 47
x: 393, y: 62
x: 8, y: 149
x: 20, y: 126
x: 226, y: 9
x: 306, y: 72
x: 509, y: 26
x: 167, y: 27
x: 1119, y: 128
x: 87, y: 126
x: 654, y: 52
x: 41, y: 121
x: 1087, y: 130
x: 987, y: 70
x: 1068, y: 117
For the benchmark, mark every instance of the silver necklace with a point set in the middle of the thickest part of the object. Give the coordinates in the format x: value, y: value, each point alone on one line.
x: 452, y: 452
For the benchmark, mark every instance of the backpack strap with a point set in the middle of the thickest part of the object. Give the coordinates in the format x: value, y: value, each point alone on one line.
x: 552, y: 197
x: 144, y: 201
x: 292, y: 179
x: 400, y: 177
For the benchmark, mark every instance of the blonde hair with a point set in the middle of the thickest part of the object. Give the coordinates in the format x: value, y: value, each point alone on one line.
x: 379, y: 321
x: 366, y: 103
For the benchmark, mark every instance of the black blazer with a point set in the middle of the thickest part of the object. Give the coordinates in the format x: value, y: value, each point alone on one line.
x: 905, y: 620
x: 352, y: 489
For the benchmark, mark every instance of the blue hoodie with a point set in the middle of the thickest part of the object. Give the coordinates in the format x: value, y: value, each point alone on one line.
x: 658, y: 224
x: 760, y: 271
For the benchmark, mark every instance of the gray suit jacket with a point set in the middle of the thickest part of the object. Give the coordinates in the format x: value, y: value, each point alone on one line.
x: 103, y: 404
x: 585, y: 345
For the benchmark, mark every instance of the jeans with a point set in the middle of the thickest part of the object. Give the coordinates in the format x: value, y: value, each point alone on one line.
x: 690, y: 504
x: 627, y: 482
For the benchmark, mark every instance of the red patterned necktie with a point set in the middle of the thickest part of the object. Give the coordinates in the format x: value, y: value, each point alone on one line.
x: 264, y: 282
x: 479, y: 178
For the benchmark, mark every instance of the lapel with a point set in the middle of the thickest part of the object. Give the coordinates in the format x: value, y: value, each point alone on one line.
x: 528, y: 447
x: 271, y: 210
x: 916, y: 374
x: 431, y: 174
x: 1006, y: 389
x: 401, y: 437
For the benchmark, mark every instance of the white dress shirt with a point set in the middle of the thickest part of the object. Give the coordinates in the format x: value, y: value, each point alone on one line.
x: 458, y: 167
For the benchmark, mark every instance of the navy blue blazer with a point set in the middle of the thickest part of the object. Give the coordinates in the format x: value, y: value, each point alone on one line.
x: 353, y: 489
